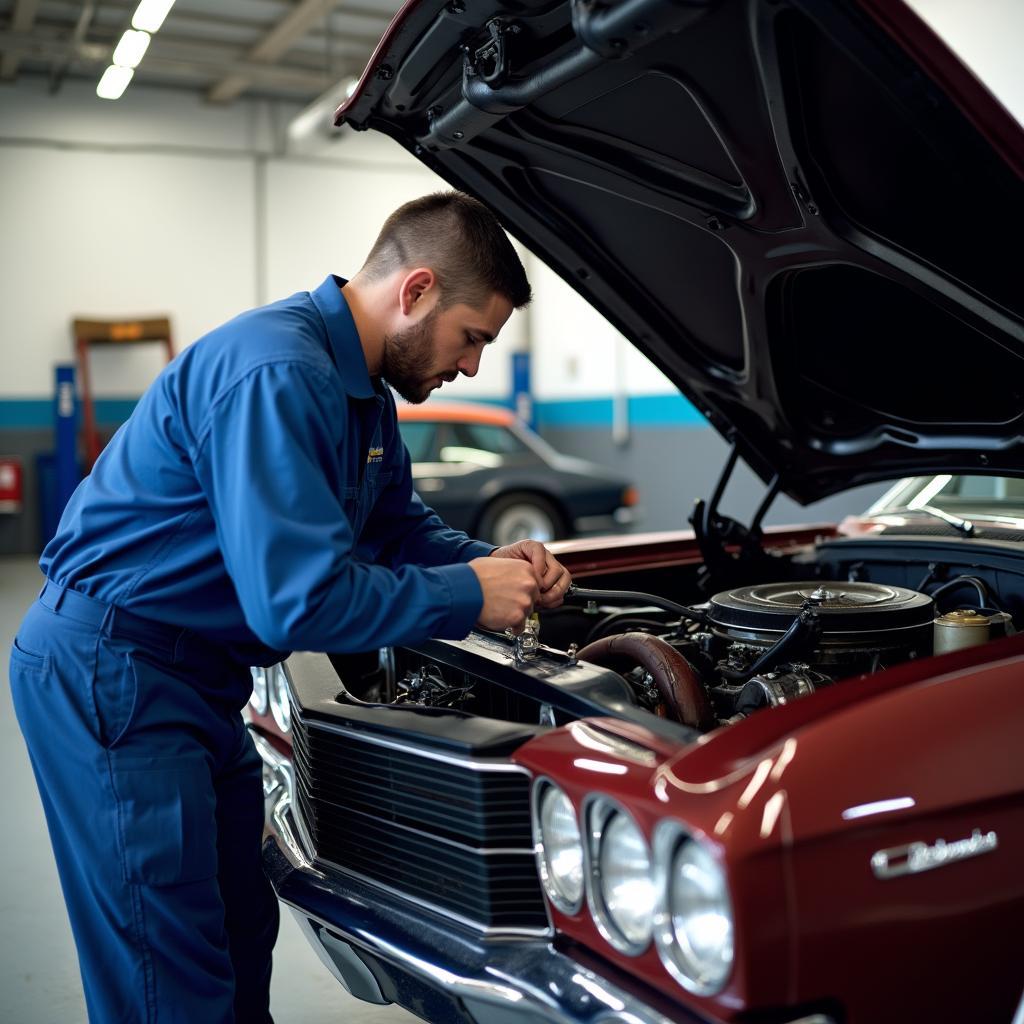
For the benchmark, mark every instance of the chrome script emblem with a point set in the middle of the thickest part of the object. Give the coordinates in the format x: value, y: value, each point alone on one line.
x: 918, y: 857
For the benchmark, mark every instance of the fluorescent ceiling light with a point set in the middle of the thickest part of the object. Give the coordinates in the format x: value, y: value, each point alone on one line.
x: 318, y: 118
x: 150, y: 14
x: 130, y: 49
x: 114, y: 82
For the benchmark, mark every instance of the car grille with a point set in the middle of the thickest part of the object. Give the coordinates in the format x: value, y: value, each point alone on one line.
x: 453, y: 834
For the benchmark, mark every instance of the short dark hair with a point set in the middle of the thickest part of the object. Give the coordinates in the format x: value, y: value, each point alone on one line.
x: 460, y: 240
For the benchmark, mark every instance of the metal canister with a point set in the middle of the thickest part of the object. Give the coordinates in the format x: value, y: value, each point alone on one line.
x: 967, y: 627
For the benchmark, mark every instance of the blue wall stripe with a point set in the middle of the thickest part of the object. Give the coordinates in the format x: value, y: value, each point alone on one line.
x: 644, y: 411
x: 26, y: 413
x: 37, y: 413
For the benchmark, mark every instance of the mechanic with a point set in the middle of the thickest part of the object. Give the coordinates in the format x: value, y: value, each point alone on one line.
x: 258, y: 500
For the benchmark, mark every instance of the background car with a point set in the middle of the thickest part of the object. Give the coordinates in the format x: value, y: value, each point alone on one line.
x: 744, y: 774
x: 484, y: 471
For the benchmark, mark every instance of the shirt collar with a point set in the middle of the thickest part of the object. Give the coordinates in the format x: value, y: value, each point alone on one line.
x: 346, y: 349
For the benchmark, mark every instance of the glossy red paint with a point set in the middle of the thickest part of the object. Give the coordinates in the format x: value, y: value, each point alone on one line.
x: 796, y: 800
x: 951, y: 745
x: 756, y: 868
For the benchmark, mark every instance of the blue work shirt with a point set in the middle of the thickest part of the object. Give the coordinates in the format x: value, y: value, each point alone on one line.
x: 260, y: 494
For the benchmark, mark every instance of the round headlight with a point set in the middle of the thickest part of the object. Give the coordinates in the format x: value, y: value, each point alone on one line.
x: 626, y: 890
x: 559, y: 849
x: 277, y: 689
x: 258, y: 699
x: 696, y: 938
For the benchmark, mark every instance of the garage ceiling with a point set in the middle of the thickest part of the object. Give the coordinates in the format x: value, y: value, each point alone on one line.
x: 280, y: 49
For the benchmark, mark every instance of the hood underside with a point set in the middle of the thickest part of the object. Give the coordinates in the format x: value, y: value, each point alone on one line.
x: 804, y: 213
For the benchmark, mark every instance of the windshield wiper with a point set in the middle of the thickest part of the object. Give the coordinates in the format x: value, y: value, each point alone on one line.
x: 964, y: 526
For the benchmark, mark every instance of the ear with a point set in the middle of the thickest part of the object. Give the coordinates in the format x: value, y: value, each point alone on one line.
x: 415, y: 287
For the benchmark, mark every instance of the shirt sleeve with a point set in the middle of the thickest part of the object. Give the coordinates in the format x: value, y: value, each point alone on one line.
x: 403, y: 530
x: 268, y: 462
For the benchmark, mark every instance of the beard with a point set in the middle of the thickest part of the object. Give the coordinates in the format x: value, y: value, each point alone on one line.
x: 408, y: 358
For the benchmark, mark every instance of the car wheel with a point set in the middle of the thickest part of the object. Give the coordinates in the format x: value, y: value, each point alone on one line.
x: 514, y: 517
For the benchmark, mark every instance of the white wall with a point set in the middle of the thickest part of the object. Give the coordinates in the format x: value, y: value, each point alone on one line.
x: 103, y: 235
x: 159, y: 204
x: 576, y: 352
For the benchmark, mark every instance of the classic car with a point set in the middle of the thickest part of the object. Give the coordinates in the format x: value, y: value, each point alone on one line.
x: 744, y: 774
x: 486, y: 472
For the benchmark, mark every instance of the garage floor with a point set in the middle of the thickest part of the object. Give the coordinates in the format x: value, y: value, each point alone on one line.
x: 39, y: 981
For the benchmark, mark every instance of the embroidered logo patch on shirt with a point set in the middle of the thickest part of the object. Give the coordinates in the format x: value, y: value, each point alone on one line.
x: 375, y: 455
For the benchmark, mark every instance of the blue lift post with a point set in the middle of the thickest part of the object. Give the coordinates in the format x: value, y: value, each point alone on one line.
x: 522, y: 397
x: 65, y: 431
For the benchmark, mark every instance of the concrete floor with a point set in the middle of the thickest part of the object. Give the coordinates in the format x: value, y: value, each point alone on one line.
x: 39, y: 980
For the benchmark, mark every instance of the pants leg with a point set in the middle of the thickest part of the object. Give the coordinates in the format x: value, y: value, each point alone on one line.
x: 250, y: 906
x: 138, y: 774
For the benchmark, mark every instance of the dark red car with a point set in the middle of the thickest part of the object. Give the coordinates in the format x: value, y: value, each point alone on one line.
x: 744, y: 775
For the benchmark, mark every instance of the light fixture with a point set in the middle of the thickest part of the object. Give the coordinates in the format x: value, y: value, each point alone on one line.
x: 114, y: 82
x: 278, y: 698
x: 130, y: 50
x: 150, y: 14
x: 148, y: 17
x: 559, y: 847
x: 621, y: 893
x: 694, y: 926
x: 318, y: 118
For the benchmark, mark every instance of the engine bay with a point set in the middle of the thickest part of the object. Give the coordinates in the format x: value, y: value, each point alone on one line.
x: 683, y: 651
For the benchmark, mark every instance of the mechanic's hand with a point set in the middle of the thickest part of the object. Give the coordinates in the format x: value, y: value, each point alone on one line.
x: 510, y: 592
x: 552, y: 577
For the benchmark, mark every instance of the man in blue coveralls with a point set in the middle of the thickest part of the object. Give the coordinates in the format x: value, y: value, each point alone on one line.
x: 258, y: 500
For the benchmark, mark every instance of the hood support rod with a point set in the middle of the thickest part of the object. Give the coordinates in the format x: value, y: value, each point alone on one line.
x: 715, y: 533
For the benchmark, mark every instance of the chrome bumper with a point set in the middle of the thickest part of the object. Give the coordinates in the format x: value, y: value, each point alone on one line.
x: 384, y: 949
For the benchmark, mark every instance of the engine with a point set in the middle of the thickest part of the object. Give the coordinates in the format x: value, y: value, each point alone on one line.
x: 745, y: 649
x: 764, y: 645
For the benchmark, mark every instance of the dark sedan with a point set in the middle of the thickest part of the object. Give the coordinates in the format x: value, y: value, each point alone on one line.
x: 484, y: 471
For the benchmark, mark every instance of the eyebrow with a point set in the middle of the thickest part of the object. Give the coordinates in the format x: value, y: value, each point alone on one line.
x: 486, y: 335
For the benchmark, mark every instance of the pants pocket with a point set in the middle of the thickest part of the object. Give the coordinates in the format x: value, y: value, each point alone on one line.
x: 167, y: 812
x: 115, y: 693
x: 24, y: 659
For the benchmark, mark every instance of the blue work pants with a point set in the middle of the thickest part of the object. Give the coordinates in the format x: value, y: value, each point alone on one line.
x: 153, y: 797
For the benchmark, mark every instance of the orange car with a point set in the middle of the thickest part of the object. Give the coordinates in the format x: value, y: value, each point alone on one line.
x: 484, y: 471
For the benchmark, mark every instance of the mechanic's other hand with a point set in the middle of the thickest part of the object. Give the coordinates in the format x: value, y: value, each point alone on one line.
x: 552, y: 577
x: 510, y: 592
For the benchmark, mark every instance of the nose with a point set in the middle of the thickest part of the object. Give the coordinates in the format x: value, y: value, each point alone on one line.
x: 469, y: 365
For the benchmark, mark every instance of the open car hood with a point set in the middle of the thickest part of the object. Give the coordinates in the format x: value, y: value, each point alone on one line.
x: 807, y: 213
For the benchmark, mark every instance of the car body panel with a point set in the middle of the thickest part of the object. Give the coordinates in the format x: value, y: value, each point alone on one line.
x: 798, y: 803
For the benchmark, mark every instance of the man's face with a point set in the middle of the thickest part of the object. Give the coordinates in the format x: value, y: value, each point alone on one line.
x: 440, y: 346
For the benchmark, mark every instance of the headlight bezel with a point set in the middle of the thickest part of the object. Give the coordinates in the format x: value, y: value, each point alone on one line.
x: 598, y: 812
x: 279, y: 696
x: 543, y: 784
x: 669, y: 838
